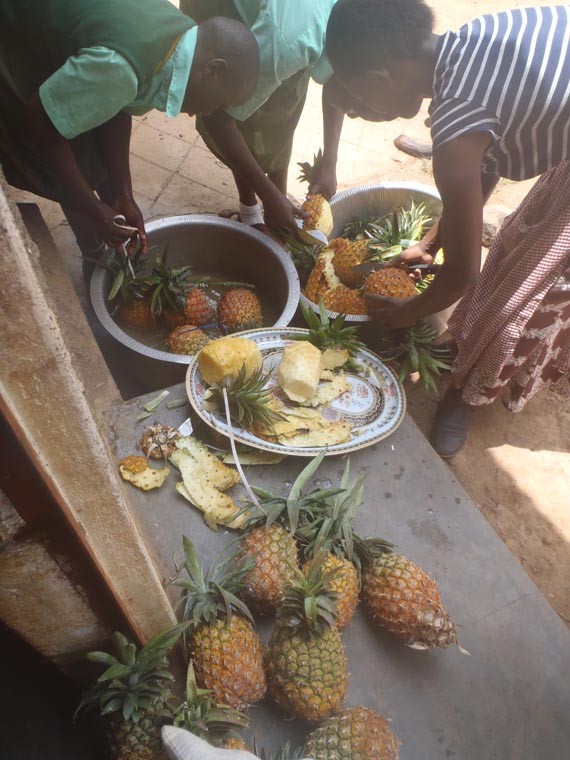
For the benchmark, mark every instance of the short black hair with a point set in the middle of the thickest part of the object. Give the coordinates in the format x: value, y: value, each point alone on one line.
x: 367, y: 35
x: 233, y: 41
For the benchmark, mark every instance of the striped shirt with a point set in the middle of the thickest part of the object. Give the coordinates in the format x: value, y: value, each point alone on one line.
x: 508, y: 74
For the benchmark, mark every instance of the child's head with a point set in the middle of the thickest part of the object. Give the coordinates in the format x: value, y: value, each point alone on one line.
x: 377, y: 49
x: 225, y: 69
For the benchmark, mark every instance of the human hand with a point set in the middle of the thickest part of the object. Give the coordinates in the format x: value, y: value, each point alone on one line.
x: 391, y: 313
x: 127, y: 206
x: 280, y: 214
x: 324, y: 180
x: 415, y: 254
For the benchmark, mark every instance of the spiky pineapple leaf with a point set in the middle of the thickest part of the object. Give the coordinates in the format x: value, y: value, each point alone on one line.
x: 248, y: 399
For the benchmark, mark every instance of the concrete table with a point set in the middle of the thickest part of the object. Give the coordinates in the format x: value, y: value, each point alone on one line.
x: 509, y: 701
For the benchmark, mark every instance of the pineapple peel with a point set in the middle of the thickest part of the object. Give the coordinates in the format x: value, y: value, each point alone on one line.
x: 204, y: 480
x: 147, y: 479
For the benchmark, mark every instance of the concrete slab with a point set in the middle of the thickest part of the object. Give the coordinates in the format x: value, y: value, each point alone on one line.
x: 508, y: 701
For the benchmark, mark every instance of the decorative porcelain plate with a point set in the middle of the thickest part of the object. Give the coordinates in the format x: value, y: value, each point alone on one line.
x: 374, y: 405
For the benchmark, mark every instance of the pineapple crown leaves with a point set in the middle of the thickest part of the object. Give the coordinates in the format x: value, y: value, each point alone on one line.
x: 133, y: 678
x: 308, y: 169
x: 294, y: 509
x: 130, y: 276
x: 248, y: 398
x: 200, y: 714
x: 168, y: 285
x: 207, y: 598
x: 369, y: 549
x: 326, y: 333
x: 414, y: 348
x: 361, y: 229
x: 403, y: 226
x: 307, y: 603
x: 331, y: 527
x: 304, y: 255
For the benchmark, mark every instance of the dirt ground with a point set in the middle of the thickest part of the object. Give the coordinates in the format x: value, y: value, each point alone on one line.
x: 515, y: 467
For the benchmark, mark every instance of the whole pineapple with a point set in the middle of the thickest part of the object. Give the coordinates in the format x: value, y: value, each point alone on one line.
x: 390, y: 282
x: 306, y: 664
x: 402, y: 598
x: 355, y: 733
x: 198, y: 309
x: 343, y: 300
x: 239, y: 309
x: 222, y: 642
x: 186, y: 339
x: 200, y: 714
x: 133, y: 696
x: 330, y: 532
x: 270, y: 541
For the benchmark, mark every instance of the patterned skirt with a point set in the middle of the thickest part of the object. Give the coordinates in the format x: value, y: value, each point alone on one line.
x: 513, y: 328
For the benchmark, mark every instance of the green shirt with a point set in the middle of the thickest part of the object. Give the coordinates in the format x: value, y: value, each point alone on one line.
x: 95, y: 84
x: 291, y: 38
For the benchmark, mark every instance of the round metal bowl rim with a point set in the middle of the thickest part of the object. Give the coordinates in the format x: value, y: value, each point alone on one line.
x: 99, y: 298
x: 412, y: 186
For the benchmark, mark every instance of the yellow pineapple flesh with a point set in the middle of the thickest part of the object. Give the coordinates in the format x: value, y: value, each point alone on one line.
x: 318, y: 214
x: 402, y: 598
x: 322, y: 278
x: 390, y: 283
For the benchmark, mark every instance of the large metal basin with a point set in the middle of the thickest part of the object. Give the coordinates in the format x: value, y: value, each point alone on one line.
x: 377, y: 200
x: 205, y: 241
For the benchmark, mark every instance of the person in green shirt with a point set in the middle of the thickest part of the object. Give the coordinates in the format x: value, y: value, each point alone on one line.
x: 72, y: 74
x: 255, y: 139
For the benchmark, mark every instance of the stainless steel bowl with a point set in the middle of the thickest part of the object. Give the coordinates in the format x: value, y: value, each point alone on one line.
x: 231, y: 249
x: 376, y: 200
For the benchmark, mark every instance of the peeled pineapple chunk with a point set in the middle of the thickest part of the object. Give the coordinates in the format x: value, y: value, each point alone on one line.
x: 146, y: 479
x: 226, y: 356
x: 300, y: 371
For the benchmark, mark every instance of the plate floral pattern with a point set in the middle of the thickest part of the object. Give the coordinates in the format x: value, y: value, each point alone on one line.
x: 374, y: 405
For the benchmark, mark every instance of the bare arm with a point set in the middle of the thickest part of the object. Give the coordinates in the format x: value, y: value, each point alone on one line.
x: 279, y: 211
x: 325, y: 180
x: 114, y: 138
x: 56, y: 152
x: 457, y: 171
